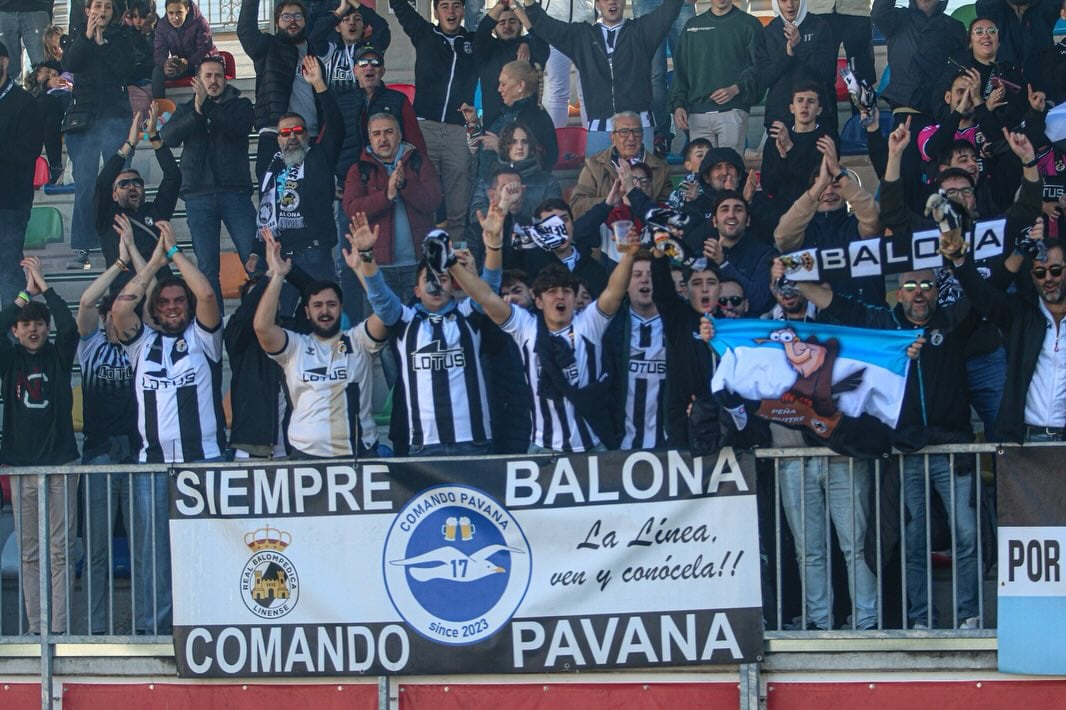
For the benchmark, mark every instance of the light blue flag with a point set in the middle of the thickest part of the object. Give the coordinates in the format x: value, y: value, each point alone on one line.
x: 810, y: 375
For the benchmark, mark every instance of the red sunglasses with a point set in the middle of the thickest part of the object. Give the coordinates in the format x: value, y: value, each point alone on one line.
x: 293, y: 131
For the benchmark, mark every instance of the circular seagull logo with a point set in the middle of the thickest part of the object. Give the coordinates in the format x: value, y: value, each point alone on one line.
x: 456, y: 564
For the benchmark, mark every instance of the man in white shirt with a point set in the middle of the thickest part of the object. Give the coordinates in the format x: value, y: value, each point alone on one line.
x: 327, y: 371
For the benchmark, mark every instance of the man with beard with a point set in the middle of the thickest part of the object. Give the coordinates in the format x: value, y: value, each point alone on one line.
x: 121, y: 191
x: 935, y: 410
x: 177, y: 361
x: 214, y: 127
x: 327, y: 372
x: 1034, y: 399
x: 279, y: 86
x: 637, y: 350
x: 296, y: 192
x: 446, y: 76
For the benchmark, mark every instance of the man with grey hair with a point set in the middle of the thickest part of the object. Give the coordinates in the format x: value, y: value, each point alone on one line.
x: 601, y: 170
x: 396, y: 186
x: 296, y: 192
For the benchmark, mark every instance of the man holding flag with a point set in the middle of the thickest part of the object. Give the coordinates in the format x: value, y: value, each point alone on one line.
x: 935, y: 410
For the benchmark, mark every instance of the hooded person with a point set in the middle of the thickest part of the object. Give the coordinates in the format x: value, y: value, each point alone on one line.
x: 797, y: 48
x: 182, y: 40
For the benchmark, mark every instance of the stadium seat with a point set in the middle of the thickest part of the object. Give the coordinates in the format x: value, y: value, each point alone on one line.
x: 41, y: 172
x: 231, y: 274
x: 571, y: 140
x: 384, y: 417
x: 841, y: 87
x: 407, y: 90
x: 76, y: 409
x: 45, y: 226
x: 853, y: 134
x: 230, y: 72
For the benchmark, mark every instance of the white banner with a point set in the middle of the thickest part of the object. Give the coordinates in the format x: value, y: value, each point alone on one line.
x: 458, y: 566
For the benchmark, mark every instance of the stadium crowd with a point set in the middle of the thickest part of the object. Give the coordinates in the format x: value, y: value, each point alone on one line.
x: 431, y: 241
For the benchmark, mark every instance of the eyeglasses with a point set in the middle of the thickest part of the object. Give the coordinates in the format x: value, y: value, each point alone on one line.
x: 981, y: 31
x: 369, y: 63
x: 641, y: 180
x: 292, y: 131
x: 1041, y: 273
x: 125, y: 183
x: 629, y: 132
x: 959, y: 192
x: 912, y: 286
x: 291, y: 16
x: 733, y: 301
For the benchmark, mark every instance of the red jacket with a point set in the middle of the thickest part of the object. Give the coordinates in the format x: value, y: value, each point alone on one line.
x: 365, y: 190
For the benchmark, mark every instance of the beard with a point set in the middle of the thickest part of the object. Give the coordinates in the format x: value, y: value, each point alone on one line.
x: 293, y: 39
x: 326, y: 333
x: 294, y: 156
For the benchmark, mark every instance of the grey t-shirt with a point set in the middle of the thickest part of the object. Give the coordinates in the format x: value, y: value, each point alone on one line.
x: 302, y: 99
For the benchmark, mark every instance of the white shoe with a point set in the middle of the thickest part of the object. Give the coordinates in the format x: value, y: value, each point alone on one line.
x: 970, y: 624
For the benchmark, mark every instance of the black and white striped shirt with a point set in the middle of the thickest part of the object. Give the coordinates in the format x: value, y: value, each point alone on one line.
x: 179, y: 396
x: 556, y: 424
x: 644, y: 388
x: 443, y: 381
x: 109, y: 407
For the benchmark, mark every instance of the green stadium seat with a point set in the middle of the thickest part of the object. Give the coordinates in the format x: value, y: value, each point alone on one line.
x: 965, y: 14
x: 45, y: 226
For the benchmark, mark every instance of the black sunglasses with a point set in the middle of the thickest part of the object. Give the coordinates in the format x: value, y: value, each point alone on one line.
x: 733, y: 301
x: 126, y: 182
x: 1041, y: 273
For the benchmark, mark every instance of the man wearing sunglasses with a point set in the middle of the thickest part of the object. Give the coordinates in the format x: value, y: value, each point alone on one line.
x: 935, y: 410
x: 1034, y: 395
x: 121, y: 191
x: 731, y: 300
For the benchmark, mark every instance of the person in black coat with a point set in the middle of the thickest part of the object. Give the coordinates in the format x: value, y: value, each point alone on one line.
x: 21, y: 136
x: 121, y: 190
x: 101, y: 58
x: 213, y: 126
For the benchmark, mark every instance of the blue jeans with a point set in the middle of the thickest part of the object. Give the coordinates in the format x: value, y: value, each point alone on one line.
x: 807, y: 486
x: 12, y: 236
x: 108, y: 496
x: 963, y: 523
x: 153, y: 604
x: 987, y: 375
x: 659, y: 91
x: 462, y: 448
x: 23, y: 29
x: 207, y: 214
x: 318, y: 263
x: 86, y: 149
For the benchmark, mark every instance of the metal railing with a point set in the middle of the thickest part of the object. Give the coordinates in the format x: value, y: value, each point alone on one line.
x: 807, y: 494
x: 222, y: 14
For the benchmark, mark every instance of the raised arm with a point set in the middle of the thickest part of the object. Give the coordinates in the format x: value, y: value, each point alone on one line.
x: 478, y: 289
x: 123, y: 312
x: 611, y: 299
x: 88, y: 315
x: 360, y: 258
x: 821, y: 296
x: 207, y: 310
x: 271, y: 336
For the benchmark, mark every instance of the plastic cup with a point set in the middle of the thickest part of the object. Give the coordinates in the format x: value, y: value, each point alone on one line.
x: 621, y: 229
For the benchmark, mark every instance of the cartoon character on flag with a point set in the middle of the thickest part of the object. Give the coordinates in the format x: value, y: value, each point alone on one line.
x: 812, y: 376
